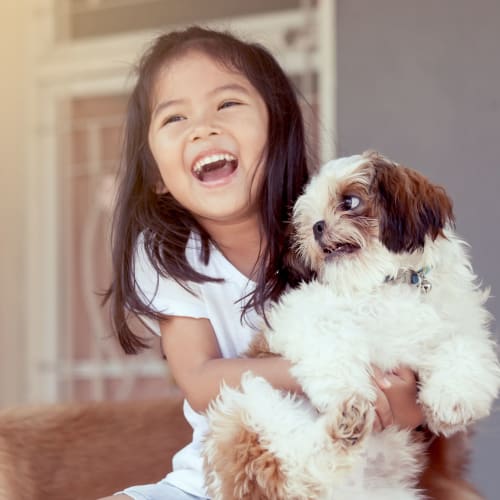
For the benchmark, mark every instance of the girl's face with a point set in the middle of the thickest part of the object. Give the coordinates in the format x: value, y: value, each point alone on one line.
x: 208, y: 135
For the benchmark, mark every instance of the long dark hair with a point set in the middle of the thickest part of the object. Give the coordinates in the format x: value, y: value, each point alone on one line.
x: 164, y: 223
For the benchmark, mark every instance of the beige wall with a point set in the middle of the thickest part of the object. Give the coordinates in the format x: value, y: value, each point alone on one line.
x: 12, y: 202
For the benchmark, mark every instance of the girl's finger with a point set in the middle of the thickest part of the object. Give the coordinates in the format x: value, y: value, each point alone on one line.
x: 383, y: 409
x: 380, y: 378
x: 405, y: 373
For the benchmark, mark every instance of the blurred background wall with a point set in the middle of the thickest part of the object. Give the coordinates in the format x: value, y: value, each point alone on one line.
x: 417, y: 80
x: 420, y: 81
x: 12, y: 202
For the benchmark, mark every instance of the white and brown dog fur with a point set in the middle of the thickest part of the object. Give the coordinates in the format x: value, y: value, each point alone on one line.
x: 394, y: 286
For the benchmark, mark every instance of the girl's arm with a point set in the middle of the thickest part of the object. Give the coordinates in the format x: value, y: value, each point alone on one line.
x: 197, y: 365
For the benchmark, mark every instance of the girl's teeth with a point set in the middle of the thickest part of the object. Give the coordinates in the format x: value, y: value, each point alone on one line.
x: 211, y: 159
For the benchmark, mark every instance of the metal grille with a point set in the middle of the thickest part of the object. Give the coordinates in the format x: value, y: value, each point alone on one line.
x: 93, y: 365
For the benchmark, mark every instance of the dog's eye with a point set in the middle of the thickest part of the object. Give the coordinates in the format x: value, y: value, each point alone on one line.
x: 350, y: 202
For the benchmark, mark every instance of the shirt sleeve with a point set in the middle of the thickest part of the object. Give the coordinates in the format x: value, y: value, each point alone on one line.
x: 165, y: 295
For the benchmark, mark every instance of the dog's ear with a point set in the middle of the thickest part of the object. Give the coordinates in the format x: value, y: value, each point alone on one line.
x: 410, y: 207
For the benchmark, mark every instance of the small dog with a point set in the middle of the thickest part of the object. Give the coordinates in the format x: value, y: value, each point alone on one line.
x: 394, y: 286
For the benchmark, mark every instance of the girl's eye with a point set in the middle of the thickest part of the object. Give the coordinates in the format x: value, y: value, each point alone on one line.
x: 173, y: 119
x: 229, y: 104
x: 351, y: 202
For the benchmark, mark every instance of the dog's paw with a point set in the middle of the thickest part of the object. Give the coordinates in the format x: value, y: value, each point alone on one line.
x: 348, y: 423
x: 445, y: 423
x: 446, y: 411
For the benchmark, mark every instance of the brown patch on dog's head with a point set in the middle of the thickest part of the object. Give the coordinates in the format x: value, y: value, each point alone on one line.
x: 410, y: 207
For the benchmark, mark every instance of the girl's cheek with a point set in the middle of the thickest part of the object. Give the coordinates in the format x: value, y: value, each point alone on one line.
x: 170, y: 137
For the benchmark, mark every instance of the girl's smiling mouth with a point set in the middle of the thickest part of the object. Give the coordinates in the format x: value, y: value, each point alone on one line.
x: 215, y: 167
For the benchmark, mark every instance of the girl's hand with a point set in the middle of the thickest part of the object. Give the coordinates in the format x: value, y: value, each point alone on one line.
x: 396, y: 399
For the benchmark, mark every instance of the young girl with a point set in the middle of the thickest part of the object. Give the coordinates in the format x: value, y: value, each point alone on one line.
x: 214, y: 160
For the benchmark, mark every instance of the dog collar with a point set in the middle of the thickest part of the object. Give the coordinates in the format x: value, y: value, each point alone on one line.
x: 418, y: 278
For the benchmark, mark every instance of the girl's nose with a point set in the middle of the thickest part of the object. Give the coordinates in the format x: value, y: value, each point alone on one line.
x: 202, y: 131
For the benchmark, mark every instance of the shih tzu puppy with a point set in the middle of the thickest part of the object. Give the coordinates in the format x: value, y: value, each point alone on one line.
x: 394, y: 286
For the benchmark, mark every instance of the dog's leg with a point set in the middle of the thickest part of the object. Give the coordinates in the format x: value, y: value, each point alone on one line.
x: 337, y: 381
x: 238, y: 461
x: 249, y: 453
x: 349, y: 424
x: 330, y: 359
x: 461, y: 385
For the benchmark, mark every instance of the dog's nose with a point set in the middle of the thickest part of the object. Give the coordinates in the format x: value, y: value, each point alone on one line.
x: 319, y: 229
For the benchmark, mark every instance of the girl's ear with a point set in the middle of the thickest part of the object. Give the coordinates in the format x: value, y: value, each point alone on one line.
x: 410, y: 207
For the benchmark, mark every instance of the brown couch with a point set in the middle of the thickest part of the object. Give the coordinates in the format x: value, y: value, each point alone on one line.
x: 84, y: 451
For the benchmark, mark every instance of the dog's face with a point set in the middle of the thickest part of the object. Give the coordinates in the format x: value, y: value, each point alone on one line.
x: 364, y: 206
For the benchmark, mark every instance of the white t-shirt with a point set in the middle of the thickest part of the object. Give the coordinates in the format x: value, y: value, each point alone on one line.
x: 218, y: 302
